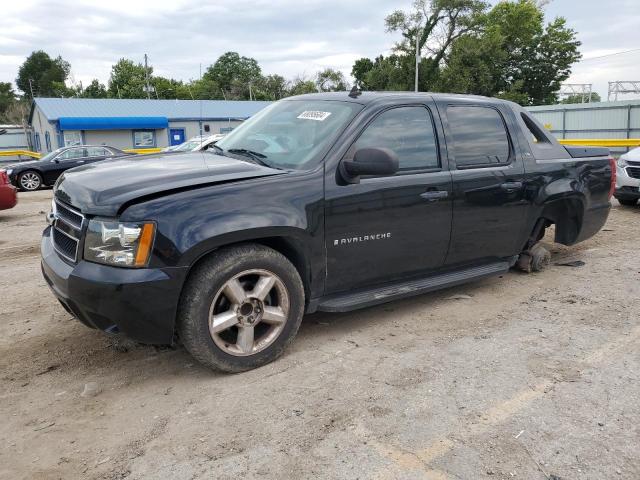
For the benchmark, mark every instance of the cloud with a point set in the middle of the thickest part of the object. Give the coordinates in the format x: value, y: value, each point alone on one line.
x: 603, y: 36
x: 288, y: 37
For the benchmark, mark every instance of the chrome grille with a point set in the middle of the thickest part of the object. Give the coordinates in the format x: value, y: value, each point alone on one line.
x: 67, y: 230
x: 70, y: 216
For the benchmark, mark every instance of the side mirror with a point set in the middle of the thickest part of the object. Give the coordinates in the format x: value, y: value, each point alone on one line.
x: 371, y: 161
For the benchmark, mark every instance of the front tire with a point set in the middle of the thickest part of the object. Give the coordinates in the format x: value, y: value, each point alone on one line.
x: 628, y: 202
x: 240, y: 308
x: 30, y: 181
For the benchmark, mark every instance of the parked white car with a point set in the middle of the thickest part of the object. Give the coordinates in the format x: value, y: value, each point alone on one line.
x: 195, y: 144
x: 628, y: 178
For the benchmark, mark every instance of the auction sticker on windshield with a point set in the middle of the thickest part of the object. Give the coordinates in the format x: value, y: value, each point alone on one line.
x: 314, y: 115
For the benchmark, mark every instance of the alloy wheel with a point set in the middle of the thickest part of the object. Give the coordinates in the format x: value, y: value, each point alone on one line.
x: 30, y: 181
x: 249, y: 312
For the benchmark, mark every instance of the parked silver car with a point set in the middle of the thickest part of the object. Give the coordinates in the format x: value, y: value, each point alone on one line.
x: 628, y: 179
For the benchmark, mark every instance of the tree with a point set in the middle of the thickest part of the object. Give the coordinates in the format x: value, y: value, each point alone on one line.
x: 128, y: 79
x: 301, y: 85
x: 46, y: 76
x: 549, y: 61
x: 579, y: 98
x: 234, y: 74
x: 271, y: 87
x: 330, y: 80
x: 359, y: 72
x: 205, y: 89
x: 395, y: 72
x: 168, y: 88
x: 94, y: 90
x: 512, y: 55
x: 435, y: 24
x: 473, y: 66
x: 7, y: 98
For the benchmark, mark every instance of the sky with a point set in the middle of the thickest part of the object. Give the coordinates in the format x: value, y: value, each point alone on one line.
x: 287, y: 37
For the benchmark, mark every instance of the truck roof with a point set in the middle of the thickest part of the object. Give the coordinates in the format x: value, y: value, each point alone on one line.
x: 366, y: 98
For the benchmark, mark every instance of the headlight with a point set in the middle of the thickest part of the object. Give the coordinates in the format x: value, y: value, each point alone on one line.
x: 9, y: 171
x: 120, y: 244
x: 622, y: 162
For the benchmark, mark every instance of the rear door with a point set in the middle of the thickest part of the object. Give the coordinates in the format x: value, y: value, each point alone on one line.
x: 386, y: 228
x: 489, y: 206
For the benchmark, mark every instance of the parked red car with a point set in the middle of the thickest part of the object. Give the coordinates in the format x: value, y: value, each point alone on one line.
x: 8, y: 196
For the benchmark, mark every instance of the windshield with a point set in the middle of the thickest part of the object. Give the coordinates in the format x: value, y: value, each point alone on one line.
x: 290, y: 134
x: 187, y: 146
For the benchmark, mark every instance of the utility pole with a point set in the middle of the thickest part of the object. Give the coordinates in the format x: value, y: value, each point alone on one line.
x: 31, y: 86
x: 146, y: 78
x: 417, y: 55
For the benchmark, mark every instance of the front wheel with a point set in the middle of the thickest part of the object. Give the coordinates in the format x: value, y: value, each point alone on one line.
x: 629, y: 202
x: 240, y: 308
x: 30, y: 181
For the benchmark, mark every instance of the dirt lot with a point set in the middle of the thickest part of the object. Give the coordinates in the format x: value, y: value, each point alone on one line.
x: 521, y: 376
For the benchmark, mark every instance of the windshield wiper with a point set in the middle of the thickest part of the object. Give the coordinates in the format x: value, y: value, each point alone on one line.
x: 257, y: 157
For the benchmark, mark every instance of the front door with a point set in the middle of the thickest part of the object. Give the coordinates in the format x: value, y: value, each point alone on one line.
x: 71, y: 157
x: 176, y: 136
x: 489, y: 206
x: 386, y: 228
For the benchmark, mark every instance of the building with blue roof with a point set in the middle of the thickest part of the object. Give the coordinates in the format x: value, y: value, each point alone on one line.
x: 134, y: 123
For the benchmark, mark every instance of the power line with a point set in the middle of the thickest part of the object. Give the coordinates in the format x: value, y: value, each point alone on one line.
x: 609, y: 55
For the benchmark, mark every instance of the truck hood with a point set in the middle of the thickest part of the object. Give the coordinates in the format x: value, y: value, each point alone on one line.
x: 103, y: 188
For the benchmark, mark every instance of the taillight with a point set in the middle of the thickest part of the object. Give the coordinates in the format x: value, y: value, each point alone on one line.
x: 614, y: 176
x: 4, y: 178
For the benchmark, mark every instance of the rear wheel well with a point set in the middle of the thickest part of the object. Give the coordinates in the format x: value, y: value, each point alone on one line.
x: 567, y: 215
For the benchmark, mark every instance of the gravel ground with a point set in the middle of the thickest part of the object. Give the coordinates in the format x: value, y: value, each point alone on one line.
x: 520, y: 376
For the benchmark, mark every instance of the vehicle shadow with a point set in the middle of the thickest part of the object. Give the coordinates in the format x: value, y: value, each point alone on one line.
x: 74, y: 351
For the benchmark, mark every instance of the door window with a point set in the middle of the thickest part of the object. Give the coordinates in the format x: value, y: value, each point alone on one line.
x: 71, y: 154
x: 409, y: 132
x: 479, y: 136
x: 72, y: 138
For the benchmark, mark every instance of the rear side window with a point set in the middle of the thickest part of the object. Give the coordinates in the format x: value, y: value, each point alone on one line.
x: 97, y: 152
x: 536, y: 135
x: 479, y: 136
x: 71, y: 154
x: 409, y: 132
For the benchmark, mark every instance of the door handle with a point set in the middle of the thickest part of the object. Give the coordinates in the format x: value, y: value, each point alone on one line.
x: 511, y: 186
x: 433, y: 195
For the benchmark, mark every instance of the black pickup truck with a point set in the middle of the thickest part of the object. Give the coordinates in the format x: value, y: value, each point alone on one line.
x: 326, y: 202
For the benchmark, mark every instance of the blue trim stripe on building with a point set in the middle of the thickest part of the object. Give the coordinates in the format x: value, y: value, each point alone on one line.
x: 112, y: 123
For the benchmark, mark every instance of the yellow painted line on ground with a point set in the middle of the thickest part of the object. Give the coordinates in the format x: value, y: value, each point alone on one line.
x: 601, y: 142
x: 16, y: 153
x: 419, y: 460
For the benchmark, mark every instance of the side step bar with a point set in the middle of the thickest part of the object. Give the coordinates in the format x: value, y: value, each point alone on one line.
x: 381, y: 294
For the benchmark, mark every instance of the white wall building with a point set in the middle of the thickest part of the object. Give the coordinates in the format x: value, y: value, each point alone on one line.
x: 137, y: 124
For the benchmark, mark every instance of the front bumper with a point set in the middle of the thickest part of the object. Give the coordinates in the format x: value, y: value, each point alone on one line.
x: 627, y: 187
x: 141, y: 303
